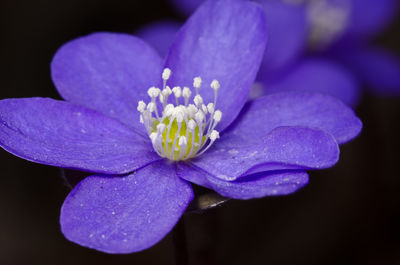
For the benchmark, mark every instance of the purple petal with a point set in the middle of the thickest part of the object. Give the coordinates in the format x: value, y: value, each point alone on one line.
x: 316, y: 75
x: 287, y: 34
x: 324, y: 112
x: 125, y: 214
x: 159, y: 35
x: 283, y: 148
x: 107, y: 72
x: 375, y: 67
x: 258, y: 185
x: 368, y: 17
x: 191, y: 173
x: 186, y: 7
x: 223, y: 40
x: 61, y: 134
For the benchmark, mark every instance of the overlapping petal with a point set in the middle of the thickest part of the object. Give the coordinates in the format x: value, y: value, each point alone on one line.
x: 125, y: 214
x: 261, y: 185
x: 315, y: 75
x: 324, y: 112
x: 159, y: 35
x: 108, y: 72
x: 235, y: 156
x: 222, y: 40
x: 272, y: 183
x: 287, y: 34
x: 61, y: 134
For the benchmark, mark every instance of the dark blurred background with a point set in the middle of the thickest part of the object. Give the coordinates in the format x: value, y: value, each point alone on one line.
x: 348, y: 214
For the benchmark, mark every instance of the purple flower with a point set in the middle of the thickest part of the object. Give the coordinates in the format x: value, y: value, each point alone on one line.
x: 341, y: 30
x: 144, y: 155
x: 286, y: 25
x: 338, y: 32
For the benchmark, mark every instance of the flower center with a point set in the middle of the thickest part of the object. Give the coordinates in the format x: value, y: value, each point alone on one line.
x: 180, y: 131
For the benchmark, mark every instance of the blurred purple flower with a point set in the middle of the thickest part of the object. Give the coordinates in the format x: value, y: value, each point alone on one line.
x: 338, y: 32
x: 341, y: 30
x: 140, y: 186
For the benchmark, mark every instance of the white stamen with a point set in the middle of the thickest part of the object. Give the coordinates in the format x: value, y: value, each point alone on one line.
x: 166, y: 74
x: 161, y: 127
x: 217, y: 116
x: 182, y: 141
x: 151, y: 107
x: 204, y: 109
x: 141, y: 106
x: 182, y: 131
x: 210, y: 108
x: 214, y: 135
x: 186, y: 93
x: 166, y: 91
x: 153, y: 137
x: 199, y: 117
x: 168, y: 110
x: 177, y: 91
x: 180, y: 116
x: 192, y: 125
x: 162, y: 98
x: 198, y: 100
x: 192, y: 110
x: 215, y: 85
x: 197, y: 83
x: 153, y: 92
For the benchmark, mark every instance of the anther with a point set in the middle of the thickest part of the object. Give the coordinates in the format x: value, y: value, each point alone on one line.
x: 214, y: 135
x: 199, y: 117
x: 204, y: 108
x: 166, y: 91
x: 217, y: 116
x: 210, y: 108
x: 166, y: 74
x: 198, y: 100
x: 215, y: 85
x: 177, y: 91
x: 197, y: 82
x: 153, y: 137
x: 161, y: 127
x: 153, y: 92
x: 141, y: 106
x: 182, y: 141
x: 182, y: 131
x: 151, y: 107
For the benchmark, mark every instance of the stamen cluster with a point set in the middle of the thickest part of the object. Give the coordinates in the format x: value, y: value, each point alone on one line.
x: 180, y: 131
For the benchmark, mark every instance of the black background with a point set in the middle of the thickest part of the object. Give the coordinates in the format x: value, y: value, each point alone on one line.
x: 348, y: 214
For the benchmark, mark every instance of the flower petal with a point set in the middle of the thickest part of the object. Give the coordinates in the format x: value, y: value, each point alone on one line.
x: 375, y: 67
x: 287, y: 34
x: 368, y: 17
x: 107, y: 72
x: 222, y: 40
x: 189, y: 172
x: 260, y: 185
x: 61, y: 134
x: 272, y: 183
x: 125, y: 214
x: 283, y: 148
x: 159, y: 35
x: 316, y: 75
x: 324, y: 112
